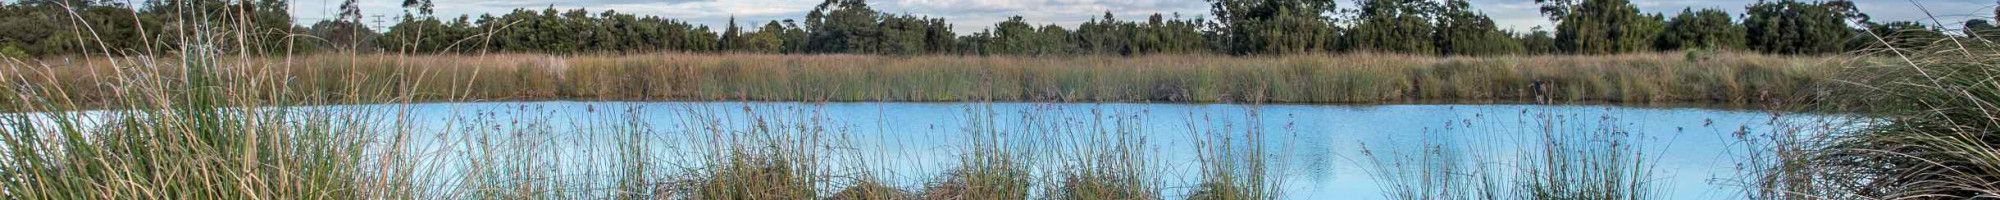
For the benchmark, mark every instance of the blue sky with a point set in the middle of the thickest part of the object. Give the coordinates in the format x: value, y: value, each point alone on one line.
x: 973, y: 15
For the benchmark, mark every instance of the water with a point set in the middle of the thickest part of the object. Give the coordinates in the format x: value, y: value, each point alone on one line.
x: 1315, y: 150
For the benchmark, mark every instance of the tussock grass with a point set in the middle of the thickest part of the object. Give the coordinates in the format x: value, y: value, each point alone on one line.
x: 192, y: 127
x: 1933, y: 115
x: 1235, y: 163
x: 1562, y: 158
x: 768, y: 157
x: 872, y: 190
x: 1106, y: 158
x: 996, y: 161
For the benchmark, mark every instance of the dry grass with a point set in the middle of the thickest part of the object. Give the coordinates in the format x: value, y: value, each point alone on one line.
x: 205, y: 124
x: 1692, y: 77
x: 1931, y: 113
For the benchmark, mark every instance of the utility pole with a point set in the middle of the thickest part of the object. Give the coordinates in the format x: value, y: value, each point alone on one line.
x: 378, y: 22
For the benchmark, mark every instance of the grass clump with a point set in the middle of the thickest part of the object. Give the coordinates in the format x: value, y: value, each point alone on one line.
x: 994, y: 164
x: 872, y: 190
x: 776, y: 157
x: 1434, y: 172
x: 191, y: 127
x: 1234, y: 163
x: 1105, y: 159
x: 1935, y: 111
x: 1584, y: 162
x: 1560, y: 158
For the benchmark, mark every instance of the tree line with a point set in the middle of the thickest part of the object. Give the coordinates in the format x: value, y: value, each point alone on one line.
x: 1239, y: 27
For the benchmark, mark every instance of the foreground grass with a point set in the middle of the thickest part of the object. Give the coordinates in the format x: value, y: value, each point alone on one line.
x: 1935, y: 111
x: 1560, y: 156
x: 205, y: 124
x: 1690, y: 77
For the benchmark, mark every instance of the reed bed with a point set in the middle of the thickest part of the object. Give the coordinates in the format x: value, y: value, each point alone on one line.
x: 1684, y: 77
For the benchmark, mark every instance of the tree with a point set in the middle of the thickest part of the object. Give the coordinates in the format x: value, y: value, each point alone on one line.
x: 1792, y: 27
x: 1161, y: 35
x: 345, y: 32
x: 794, y: 37
x: 1538, y: 41
x: 1015, y: 36
x: 1600, y: 26
x: 842, y: 26
x: 1273, y: 26
x: 1106, y: 36
x: 1462, y: 31
x: 732, y: 38
x: 1395, y: 26
x: 1903, y: 34
x: 768, y: 39
x: 344, y: 35
x: 1981, y: 29
x: 1704, y: 29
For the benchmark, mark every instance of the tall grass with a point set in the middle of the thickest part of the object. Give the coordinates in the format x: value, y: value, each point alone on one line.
x: 1931, y: 115
x: 1560, y: 157
x: 1235, y: 163
x: 202, y: 123
x: 191, y: 127
x: 1738, y: 78
x: 769, y: 157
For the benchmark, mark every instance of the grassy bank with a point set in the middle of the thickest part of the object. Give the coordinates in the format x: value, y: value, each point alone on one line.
x: 1694, y: 77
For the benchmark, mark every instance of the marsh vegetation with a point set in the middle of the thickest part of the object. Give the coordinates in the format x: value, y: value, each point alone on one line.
x: 222, y: 111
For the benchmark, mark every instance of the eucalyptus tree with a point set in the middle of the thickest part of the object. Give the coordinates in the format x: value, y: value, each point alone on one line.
x: 1394, y: 26
x: 1704, y: 29
x: 1794, y: 27
x: 1600, y: 26
x: 1274, y: 26
x: 1462, y: 30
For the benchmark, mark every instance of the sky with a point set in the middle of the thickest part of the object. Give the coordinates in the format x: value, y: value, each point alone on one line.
x: 970, y: 16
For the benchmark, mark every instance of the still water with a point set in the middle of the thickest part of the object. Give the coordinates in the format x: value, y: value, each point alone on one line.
x: 1311, y: 151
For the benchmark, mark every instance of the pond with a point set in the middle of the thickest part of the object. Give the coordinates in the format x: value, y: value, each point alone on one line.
x: 1311, y: 151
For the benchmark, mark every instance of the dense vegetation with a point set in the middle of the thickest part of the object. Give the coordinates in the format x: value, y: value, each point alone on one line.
x: 1659, y: 78
x: 1449, y: 27
x: 191, y: 120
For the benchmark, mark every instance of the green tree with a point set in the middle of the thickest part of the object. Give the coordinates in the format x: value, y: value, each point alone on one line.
x: 733, y: 39
x: 1600, y: 26
x: 768, y: 39
x: 1904, y: 34
x: 1273, y: 26
x: 1538, y: 41
x: 1014, y: 36
x: 1704, y: 29
x: 842, y: 26
x: 1106, y: 36
x: 1395, y: 26
x: 1463, y: 31
x: 1175, y: 36
x: 1793, y: 27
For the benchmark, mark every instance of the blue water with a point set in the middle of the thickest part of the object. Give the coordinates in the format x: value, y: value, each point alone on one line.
x: 1314, y: 150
